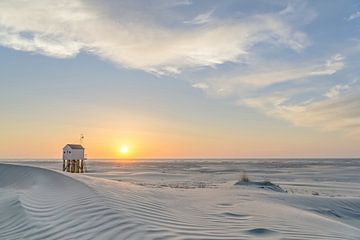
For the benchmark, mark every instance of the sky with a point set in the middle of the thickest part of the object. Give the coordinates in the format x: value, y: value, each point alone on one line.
x: 180, y: 78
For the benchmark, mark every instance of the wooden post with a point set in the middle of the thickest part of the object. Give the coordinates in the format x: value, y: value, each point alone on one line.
x: 72, y: 164
x: 63, y: 164
x: 68, y: 165
x: 77, y: 166
x: 82, y: 165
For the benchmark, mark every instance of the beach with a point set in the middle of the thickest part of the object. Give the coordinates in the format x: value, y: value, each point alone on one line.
x: 181, y: 199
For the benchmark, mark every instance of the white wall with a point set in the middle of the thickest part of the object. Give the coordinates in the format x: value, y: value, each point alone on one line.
x: 72, y: 154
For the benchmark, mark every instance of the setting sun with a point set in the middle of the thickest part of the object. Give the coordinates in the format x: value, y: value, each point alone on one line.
x: 124, y: 149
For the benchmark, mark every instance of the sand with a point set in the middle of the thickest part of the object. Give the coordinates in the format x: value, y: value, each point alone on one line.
x: 39, y: 203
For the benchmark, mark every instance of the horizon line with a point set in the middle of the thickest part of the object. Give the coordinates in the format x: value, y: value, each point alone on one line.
x: 196, y: 158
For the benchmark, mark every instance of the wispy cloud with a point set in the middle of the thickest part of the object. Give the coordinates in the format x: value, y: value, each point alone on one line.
x: 340, y: 113
x: 334, y: 108
x: 200, y: 85
x: 353, y: 16
x: 202, y: 18
x: 336, y: 90
x: 334, y: 64
x: 236, y: 83
x: 65, y: 28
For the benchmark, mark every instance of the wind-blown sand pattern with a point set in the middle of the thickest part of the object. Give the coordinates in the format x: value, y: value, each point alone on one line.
x: 37, y: 203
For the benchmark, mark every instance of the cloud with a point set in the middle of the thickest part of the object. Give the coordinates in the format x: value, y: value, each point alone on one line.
x: 353, y: 16
x: 299, y: 12
x: 334, y: 64
x: 340, y: 113
x: 335, y: 91
x: 200, y: 85
x: 64, y: 28
x: 202, y: 18
x: 60, y: 48
x: 290, y: 93
x: 235, y: 83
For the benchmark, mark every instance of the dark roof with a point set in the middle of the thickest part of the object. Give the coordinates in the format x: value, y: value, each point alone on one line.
x: 75, y: 146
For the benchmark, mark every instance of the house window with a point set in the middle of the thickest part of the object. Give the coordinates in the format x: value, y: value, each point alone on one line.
x: 69, y: 151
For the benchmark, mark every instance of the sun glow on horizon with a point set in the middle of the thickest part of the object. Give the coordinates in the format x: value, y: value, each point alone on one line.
x: 124, y: 149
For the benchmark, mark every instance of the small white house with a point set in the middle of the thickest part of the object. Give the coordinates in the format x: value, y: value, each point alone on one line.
x: 73, y: 152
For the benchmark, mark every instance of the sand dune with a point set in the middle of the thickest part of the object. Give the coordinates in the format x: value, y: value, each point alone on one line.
x: 38, y: 203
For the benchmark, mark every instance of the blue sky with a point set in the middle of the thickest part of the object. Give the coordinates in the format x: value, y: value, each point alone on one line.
x: 243, y: 78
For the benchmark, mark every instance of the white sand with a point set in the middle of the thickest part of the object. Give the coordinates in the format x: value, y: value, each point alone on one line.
x: 37, y: 203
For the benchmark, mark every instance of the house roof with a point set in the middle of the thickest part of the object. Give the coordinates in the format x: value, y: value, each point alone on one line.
x: 75, y: 146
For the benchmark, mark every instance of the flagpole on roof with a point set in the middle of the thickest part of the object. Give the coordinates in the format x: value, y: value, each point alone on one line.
x: 81, y: 139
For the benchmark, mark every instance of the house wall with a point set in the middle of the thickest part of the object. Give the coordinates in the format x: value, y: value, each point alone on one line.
x: 72, y: 154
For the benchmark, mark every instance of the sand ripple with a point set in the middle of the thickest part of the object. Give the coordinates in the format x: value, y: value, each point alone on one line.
x: 37, y: 203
